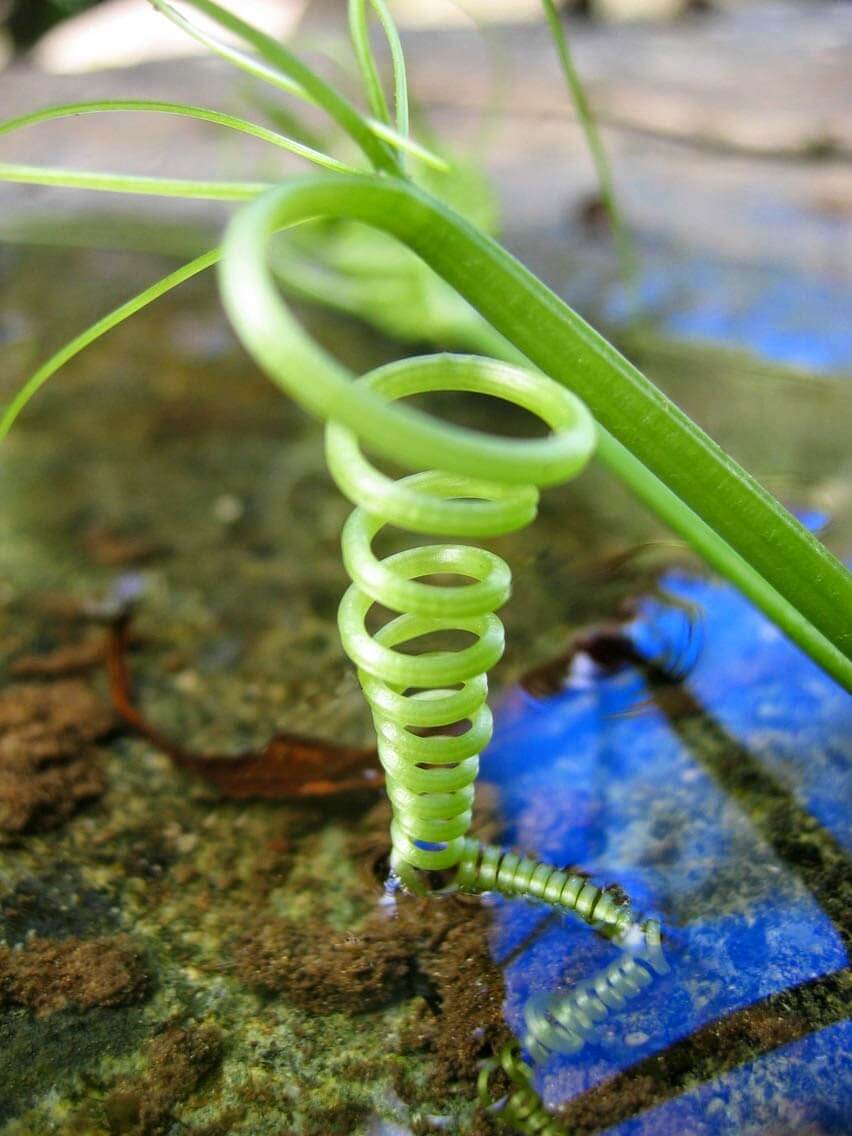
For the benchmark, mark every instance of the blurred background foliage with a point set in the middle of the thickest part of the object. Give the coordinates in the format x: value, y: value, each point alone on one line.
x: 23, y: 22
x: 26, y: 20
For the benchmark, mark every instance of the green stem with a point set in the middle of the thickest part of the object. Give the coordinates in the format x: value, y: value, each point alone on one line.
x: 183, y: 110
x: 720, y: 556
x: 586, y: 117
x: 130, y: 183
x: 101, y: 327
x: 783, y: 557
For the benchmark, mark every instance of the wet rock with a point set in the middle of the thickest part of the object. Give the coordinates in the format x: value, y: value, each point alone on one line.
x: 56, y: 904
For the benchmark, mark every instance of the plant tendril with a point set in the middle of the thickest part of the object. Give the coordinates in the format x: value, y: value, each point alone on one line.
x: 359, y: 31
x: 585, y: 115
x: 288, y: 65
x: 203, y: 114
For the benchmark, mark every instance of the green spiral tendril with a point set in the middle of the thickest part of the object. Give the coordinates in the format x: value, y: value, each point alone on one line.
x: 521, y: 1110
x: 488, y: 867
x: 562, y: 1023
x: 430, y: 779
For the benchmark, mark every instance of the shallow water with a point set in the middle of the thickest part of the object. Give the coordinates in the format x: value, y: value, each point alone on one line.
x: 720, y: 805
x: 231, y: 994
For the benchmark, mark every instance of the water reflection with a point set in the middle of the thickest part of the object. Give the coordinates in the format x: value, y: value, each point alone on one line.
x: 719, y: 804
x: 564, y: 1021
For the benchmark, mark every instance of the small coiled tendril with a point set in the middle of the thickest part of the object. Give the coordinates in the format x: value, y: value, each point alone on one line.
x: 563, y: 1023
x: 522, y: 1109
x: 487, y: 867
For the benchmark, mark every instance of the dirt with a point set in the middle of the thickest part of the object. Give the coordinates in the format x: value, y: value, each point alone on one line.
x: 60, y: 662
x: 323, y: 971
x: 49, y: 975
x: 179, y: 1060
x: 49, y: 766
x: 432, y: 953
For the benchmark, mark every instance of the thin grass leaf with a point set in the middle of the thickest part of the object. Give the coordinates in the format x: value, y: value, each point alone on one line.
x: 267, y: 74
x: 359, y: 31
x: 96, y: 330
x: 288, y: 66
x: 130, y: 183
x: 184, y: 110
x: 586, y: 117
x: 360, y: 36
x: 252, y: 66
x: 408, y: 145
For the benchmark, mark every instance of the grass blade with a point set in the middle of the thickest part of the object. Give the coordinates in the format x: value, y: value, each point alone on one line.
x: 359, y: 30
x: 239, y: 59
x: 129, y: 183
x: 408, y: 145
x: 185, y: 110
x: 96, y: 330
x: 286, y: 64
x: 585, y: 115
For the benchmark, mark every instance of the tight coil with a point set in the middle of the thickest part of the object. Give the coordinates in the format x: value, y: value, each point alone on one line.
x: 521, y: 1110
x: 429, y: 709
x: 487, y: 867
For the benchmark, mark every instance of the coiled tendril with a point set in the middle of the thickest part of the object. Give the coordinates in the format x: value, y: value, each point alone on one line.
x: 430, y: 779
x: 473, y: 485
x: 522, y: 1109
x: 563, y: 1022
x: 487, y: 867
x: 470, y: 484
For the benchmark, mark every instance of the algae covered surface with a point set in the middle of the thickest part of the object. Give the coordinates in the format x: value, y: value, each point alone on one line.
x: 175, y: 961
x: 269, y: 986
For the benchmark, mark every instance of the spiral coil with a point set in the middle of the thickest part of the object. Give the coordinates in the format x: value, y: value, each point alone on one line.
x: 430, y: 778
x: 565, y: 1021
x: 487, y: 867
x: 472, y: 485
x: 521, y: 1110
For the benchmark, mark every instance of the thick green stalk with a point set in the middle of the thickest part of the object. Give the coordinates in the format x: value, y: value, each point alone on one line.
x: 743, y: 515
x: 720, y: 556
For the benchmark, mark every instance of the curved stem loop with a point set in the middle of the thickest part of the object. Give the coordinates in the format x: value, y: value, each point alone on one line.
x: 674, y: 466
